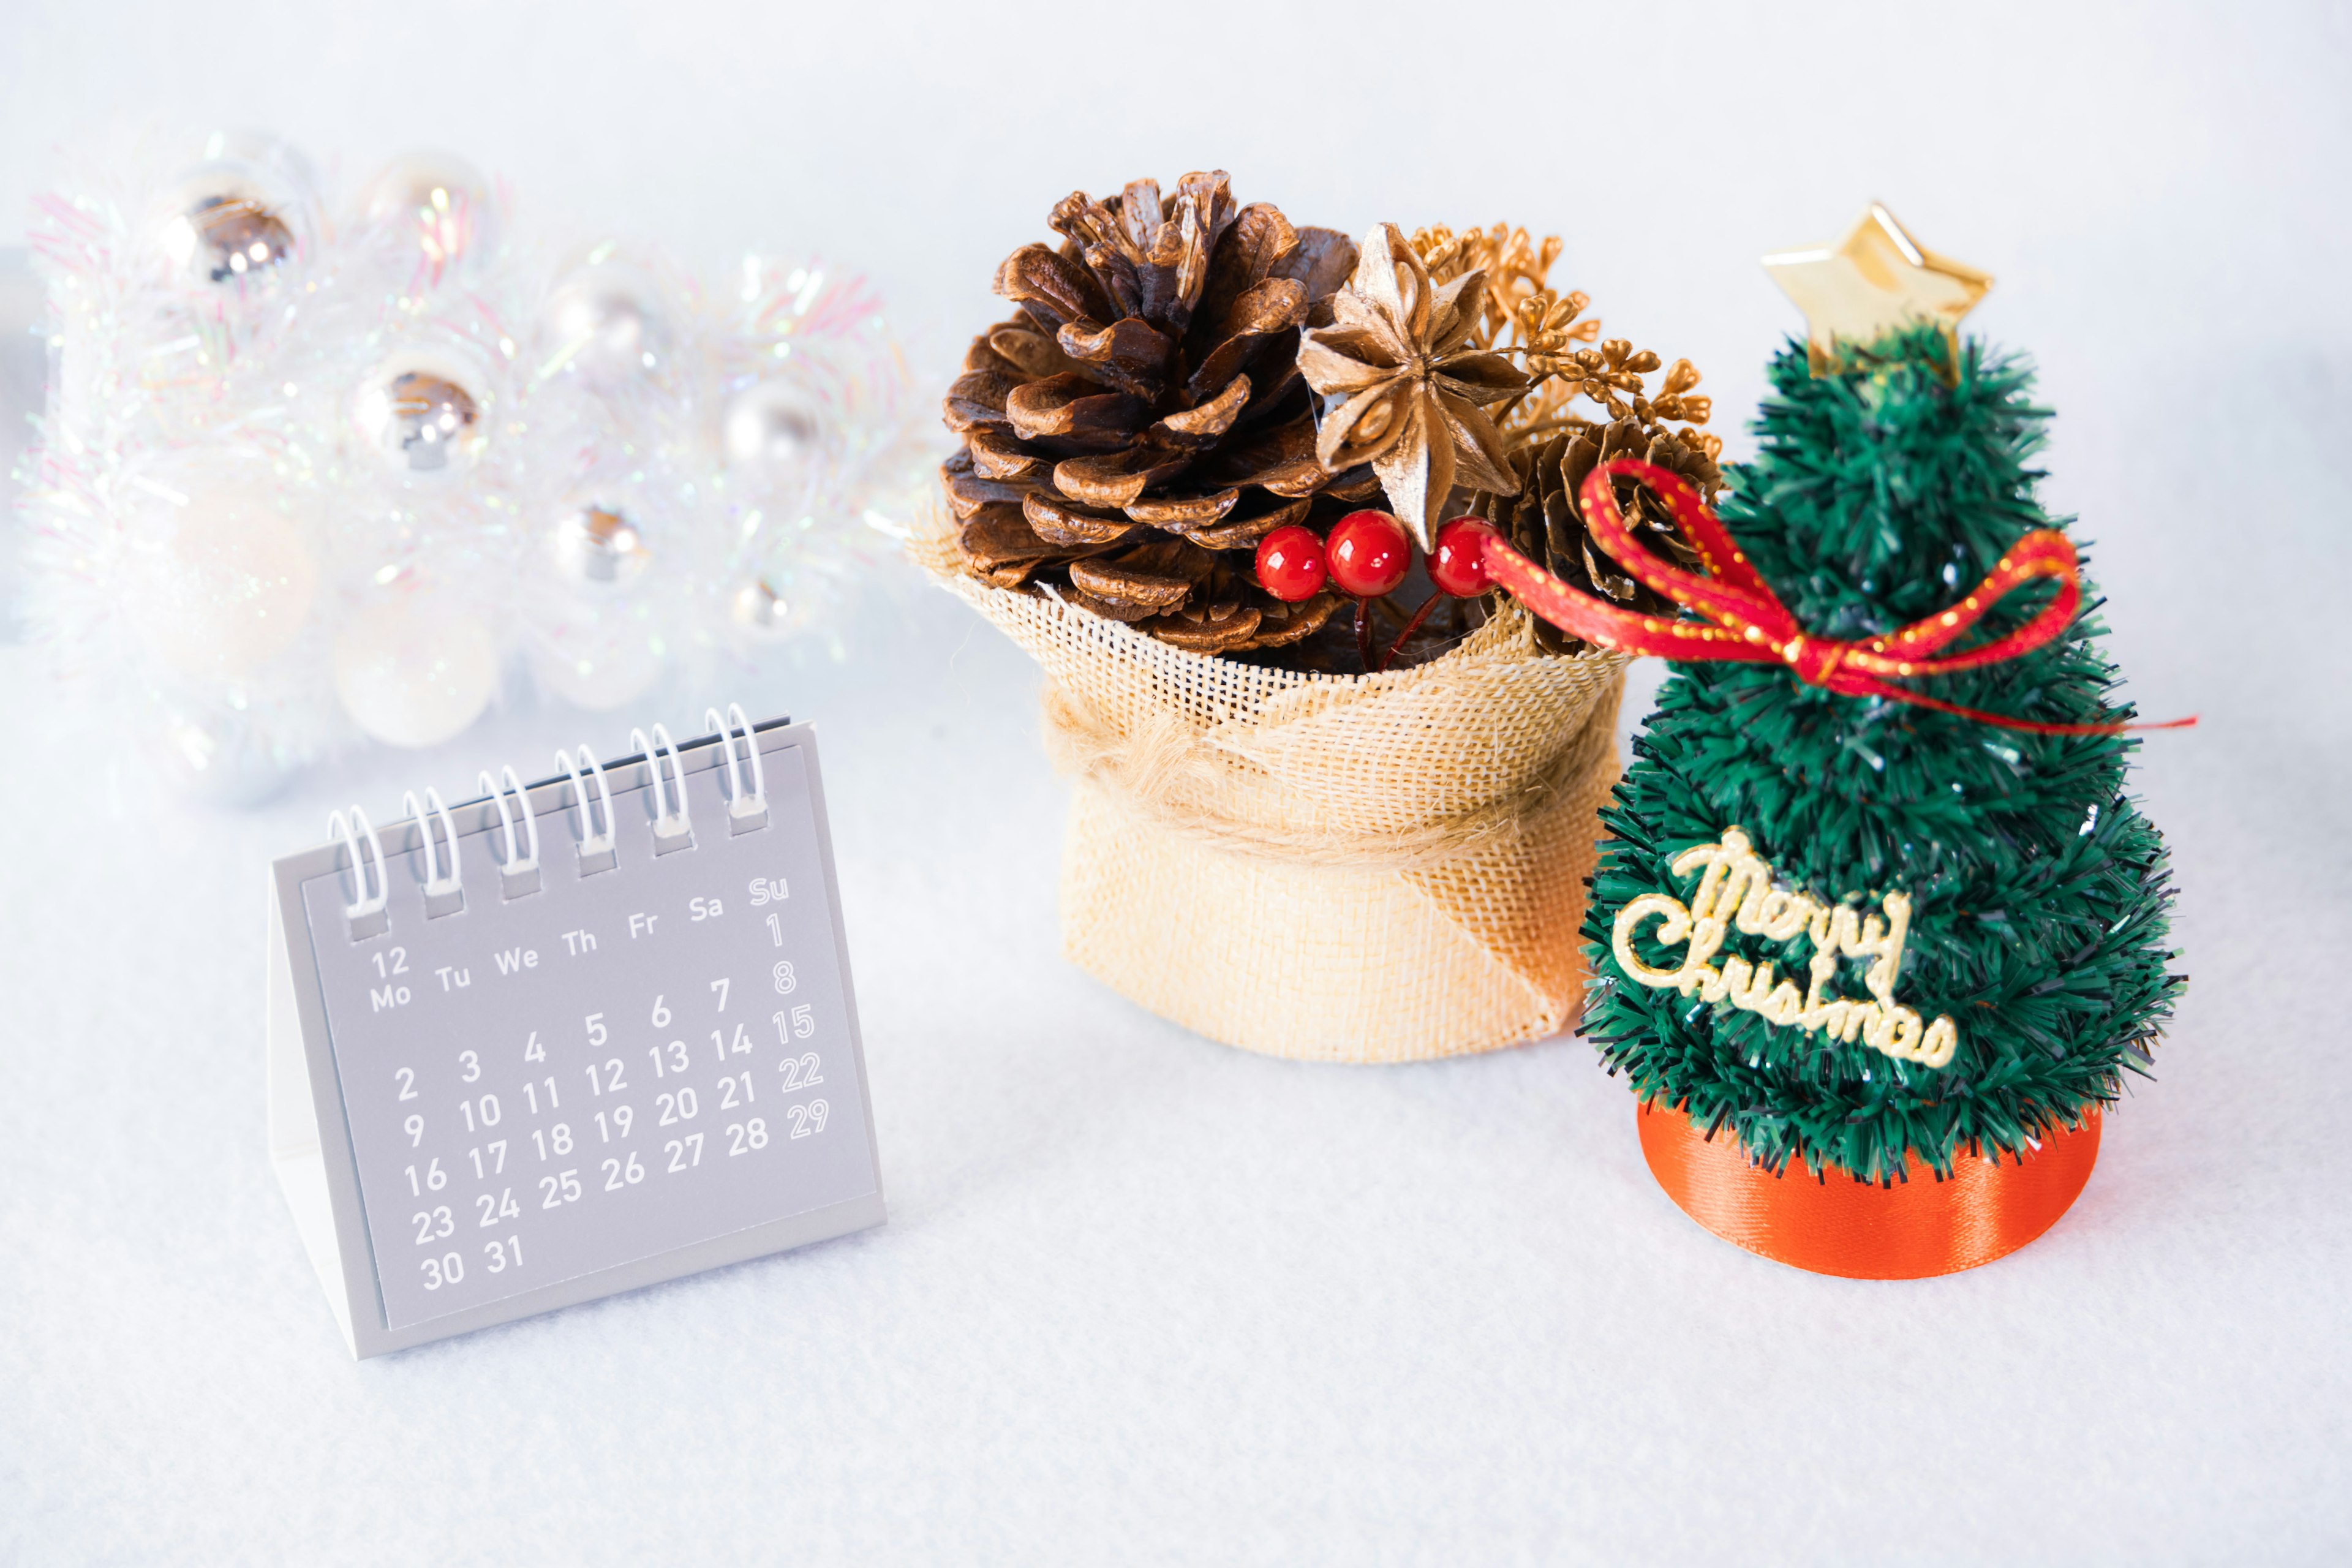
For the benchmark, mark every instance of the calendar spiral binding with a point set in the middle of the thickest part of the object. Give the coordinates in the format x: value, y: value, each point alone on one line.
x: 369, y: 911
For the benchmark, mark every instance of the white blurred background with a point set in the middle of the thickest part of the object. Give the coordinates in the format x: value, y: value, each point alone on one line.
x: 1142, y: 1297
x: 2159, y: 188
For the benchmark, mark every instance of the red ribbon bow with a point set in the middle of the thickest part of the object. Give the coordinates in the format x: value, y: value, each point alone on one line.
x: 1746, y: 622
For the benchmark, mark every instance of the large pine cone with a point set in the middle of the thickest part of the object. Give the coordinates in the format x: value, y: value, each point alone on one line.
x: 1544, y: 522
x: 1142, y: 418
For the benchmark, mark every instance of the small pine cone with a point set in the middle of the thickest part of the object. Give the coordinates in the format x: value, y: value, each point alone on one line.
x: 1544, y: 522
x: 1142, y: 422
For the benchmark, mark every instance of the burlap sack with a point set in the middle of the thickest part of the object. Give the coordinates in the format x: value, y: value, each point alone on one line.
x: 1351, y: 869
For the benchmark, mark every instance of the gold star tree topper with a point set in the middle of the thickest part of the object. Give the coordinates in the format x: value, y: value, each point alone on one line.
x: 1875, y: 279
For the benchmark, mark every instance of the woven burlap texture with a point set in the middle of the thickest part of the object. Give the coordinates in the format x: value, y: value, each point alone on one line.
x: 1351, y: 869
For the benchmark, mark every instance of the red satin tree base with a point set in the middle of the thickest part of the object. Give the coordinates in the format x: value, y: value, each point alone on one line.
x: 1912, y: 1230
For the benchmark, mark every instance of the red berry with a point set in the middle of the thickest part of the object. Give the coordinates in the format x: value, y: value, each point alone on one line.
x: 1290, y: 563
x: 1370, y: 553
x: 1458, y: 564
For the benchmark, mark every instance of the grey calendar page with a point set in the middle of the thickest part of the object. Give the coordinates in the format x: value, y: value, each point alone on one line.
x: 617, y: 1065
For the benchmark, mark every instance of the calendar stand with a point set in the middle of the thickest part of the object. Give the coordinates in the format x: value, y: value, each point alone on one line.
x: 511, y: 1071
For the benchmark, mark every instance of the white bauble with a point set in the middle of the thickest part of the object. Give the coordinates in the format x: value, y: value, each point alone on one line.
x: 230, y: 585
x: 411, y: 675
x: 435, y: 200
x: 598, y: 662
x: 606, y: 321
x: 773, y: 433
x: 425, y: 414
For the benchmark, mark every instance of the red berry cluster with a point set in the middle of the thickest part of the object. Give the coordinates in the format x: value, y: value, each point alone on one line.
x: 1368, y: 555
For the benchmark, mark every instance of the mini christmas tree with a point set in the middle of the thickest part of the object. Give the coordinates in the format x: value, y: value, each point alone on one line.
x: 1968, y: 917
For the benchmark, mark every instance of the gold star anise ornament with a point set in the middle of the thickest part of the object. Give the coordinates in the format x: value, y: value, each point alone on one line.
x: 1413, y: 388
x: 1873, y: 282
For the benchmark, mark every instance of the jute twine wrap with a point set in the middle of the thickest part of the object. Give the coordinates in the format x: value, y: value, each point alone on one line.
x: 1351, y: 869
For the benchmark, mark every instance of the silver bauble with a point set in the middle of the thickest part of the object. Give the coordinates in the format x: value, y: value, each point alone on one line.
x: 596, y: 547
x: 228, y: 232
x: 435, y: 200
x: 243, y: 214
x: 758, y: 612
x: 425, y: 415
x: 606, y: 321
x: 773, y: 433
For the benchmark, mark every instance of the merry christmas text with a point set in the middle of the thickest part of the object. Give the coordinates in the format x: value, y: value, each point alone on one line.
x: 1735, y: 892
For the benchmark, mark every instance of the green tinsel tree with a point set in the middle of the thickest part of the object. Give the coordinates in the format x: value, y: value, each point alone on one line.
x: 2038, y: 892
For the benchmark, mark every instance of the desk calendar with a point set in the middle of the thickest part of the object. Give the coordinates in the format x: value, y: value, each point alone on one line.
x: 570, y: 1038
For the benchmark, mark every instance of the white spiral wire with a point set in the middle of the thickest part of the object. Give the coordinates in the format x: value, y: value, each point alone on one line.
x: 424, y: 815
x: 490, y: 787
x: 666, y: 825
x: 496, y: 788
x: 340, y: 827
x: 529, y: 818
x: 591, y: 841
x: 724, y: 728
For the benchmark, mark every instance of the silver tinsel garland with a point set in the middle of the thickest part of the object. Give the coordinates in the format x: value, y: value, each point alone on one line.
x: 317, y: 471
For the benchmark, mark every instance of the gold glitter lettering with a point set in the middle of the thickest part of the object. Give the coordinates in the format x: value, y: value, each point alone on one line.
x: 1736, y: 889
